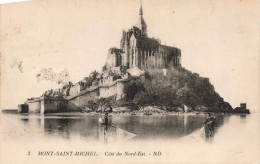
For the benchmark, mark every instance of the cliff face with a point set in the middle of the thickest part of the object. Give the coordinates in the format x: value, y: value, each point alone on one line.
x: 175, y: 87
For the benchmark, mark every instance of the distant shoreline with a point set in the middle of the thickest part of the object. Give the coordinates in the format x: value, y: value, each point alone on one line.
x: 138, y: 113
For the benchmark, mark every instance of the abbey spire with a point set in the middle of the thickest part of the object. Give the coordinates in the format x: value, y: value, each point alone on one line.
x: 141, y: 10
x: 141, y: 23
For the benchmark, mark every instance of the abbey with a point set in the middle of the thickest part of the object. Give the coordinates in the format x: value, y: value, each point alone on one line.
x: 137, y: 54
x: 138, y: 50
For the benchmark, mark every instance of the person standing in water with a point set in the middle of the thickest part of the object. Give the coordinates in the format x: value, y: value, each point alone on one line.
x: 106, y: 118
x: 108, y: 110
x: 209, y: 125
x: 105, y: 123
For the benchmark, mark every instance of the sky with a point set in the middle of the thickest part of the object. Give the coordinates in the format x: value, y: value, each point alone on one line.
x: 219, y: 39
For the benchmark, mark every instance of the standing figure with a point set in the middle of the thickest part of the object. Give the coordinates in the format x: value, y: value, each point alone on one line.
x: 106, y: 118
x: 106, y: 123
x: 209, y: 126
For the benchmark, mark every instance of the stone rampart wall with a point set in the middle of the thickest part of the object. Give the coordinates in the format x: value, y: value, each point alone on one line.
x: 52, y: 105
x: 79, y: 101
x: 34, y: 106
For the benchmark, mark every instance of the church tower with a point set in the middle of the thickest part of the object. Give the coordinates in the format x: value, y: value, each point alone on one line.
x: 141, y: 23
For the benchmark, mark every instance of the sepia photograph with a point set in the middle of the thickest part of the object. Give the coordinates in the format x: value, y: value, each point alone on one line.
x: 129, y: 81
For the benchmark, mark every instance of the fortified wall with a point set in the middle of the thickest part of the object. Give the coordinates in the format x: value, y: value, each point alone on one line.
x: 45, y: 105
x: 34, y: 105
x: 54, y: 104
x: 103, y: 90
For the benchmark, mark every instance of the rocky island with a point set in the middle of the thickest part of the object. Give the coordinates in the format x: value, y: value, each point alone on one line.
x: 141, y: 75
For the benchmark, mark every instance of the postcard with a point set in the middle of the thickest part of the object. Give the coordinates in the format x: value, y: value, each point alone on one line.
x: 129, y: 81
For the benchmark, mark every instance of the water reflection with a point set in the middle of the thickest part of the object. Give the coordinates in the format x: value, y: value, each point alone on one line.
x: 242, y: 118
x: 25, y: 121
x: 171, y: 126
x: 210, y: 133
x: 64, y: 127
x: 124, y: 127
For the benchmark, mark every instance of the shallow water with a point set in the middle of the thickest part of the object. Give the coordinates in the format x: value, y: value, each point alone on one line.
x: 23, y: 126
x: 236, y: 137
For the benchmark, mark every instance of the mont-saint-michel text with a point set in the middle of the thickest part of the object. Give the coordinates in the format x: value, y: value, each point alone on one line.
x: 67, y: 153
x: 94, y: 153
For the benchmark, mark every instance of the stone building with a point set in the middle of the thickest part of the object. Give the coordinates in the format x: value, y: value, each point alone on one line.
x: 34, y: 104
x: 23, y: 108
x: 75, y: 89
x: 138, y: 50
